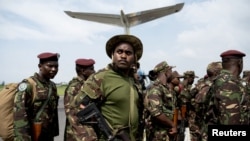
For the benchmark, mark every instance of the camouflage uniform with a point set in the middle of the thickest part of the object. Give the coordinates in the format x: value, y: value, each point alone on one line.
x: 84, y: 68
x: 187, y: 98
x: 246, y: 80
x: 159, y: 100
x: 114, y: 90
x: 186, y: 95
x: 203, y: 87
x: 228, y: 92
x: 228, y: 101
x: 113, y: 93
x: 70, y: 94
x: 246, y: 83
x: 25, y: 110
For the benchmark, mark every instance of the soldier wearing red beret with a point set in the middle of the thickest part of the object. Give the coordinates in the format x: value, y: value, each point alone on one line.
x: 228, y: 101
x: 84, y: 68
x: 39, y: 104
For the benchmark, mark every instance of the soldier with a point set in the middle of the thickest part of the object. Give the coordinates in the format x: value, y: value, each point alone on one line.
x: 41, y: 108
x: 186, y: 98
x: 113, y: 89
x: 202, y: 86
x: 246, y: 80
x: 229, y: 102
x: 84, y: 68
x: 246, y: 83
x: 160, y: 103
x: 187, y: 84
x: 175, y: 82
x: 246, y: 75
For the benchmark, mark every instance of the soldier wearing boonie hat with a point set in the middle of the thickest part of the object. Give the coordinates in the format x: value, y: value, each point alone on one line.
x: 115, y: 84
x: 161, y: 67
x: 214, y: 68
x: 37, y: 99
x: 132, y: 40
x: 160, y: 102
x: 190, y: 74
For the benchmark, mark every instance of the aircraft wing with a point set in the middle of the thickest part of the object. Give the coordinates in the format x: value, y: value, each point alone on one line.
x: 127, y: 20
x: 97, y: 17
x: 149, y: 15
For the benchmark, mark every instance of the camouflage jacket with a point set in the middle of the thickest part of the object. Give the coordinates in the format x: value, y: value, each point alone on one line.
x: 200, y: 98
x: 26, y: 108
x: 160, y: 100
x: 229, y: 103
x: 70, y: 93
x: 113, y: 94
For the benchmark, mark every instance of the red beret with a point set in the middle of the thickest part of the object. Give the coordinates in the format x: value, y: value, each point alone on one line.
x: 232, y: 53
x: 85, y: 62
x: 48, y: 56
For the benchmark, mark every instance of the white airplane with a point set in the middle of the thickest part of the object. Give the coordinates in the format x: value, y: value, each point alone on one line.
x: 127, y: 20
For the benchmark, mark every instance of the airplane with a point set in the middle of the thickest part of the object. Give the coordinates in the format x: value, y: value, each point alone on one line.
x: 127, y: 20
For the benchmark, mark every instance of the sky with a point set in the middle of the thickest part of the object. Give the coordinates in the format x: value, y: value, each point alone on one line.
x: 189, y: 39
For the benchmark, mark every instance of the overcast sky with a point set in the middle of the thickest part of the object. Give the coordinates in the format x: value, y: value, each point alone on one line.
x: 189, y: 39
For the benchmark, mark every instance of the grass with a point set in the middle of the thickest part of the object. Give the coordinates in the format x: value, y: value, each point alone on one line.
x: 60, y: 89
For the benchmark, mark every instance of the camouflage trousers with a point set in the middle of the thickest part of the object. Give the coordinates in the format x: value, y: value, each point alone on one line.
x: 194, y: 126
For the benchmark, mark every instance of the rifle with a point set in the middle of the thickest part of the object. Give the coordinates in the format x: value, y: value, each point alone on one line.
x: 181, y: 134
x: 175, y: 120
x: 91, y: 111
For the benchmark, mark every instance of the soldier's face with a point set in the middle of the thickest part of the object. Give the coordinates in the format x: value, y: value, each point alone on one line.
x: 88, y: 71
x: 49, y: 69
x: 123, y: 56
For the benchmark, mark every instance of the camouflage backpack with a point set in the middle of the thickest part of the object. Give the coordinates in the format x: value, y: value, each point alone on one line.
x: 7, y: 95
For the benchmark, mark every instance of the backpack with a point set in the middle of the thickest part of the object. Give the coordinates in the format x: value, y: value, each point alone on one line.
x: 7, y: 95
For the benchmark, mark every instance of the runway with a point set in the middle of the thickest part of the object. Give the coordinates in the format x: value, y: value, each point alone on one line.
x: 61, y: 115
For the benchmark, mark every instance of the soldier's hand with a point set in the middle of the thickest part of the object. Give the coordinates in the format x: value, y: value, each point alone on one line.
x: 82, y: 106
x: 173, y: 131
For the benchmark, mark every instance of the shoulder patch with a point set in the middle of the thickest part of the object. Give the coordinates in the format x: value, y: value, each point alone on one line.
x: 22, y: 86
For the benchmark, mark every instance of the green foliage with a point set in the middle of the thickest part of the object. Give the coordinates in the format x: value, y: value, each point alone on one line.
x: 1, y: 87
x: 61, y: 89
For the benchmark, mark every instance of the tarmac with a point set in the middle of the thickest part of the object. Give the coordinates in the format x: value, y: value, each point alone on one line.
x: 62, y: 118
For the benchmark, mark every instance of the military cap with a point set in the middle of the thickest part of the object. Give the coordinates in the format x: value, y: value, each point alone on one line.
x: 161, y: 66
x: 232, y: 54
x: 133, y: 40
x: 190, y: 74
x: 85, y: 62
x: 176, y: 74
x: 48, y: 56
x: 214, y: 66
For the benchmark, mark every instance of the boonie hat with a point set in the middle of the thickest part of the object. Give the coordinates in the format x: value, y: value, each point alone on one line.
x: 190, y: 74
x: 161, y: 66
x: 176, y: 74
x: 213, y: 66
x: 133, y: 40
